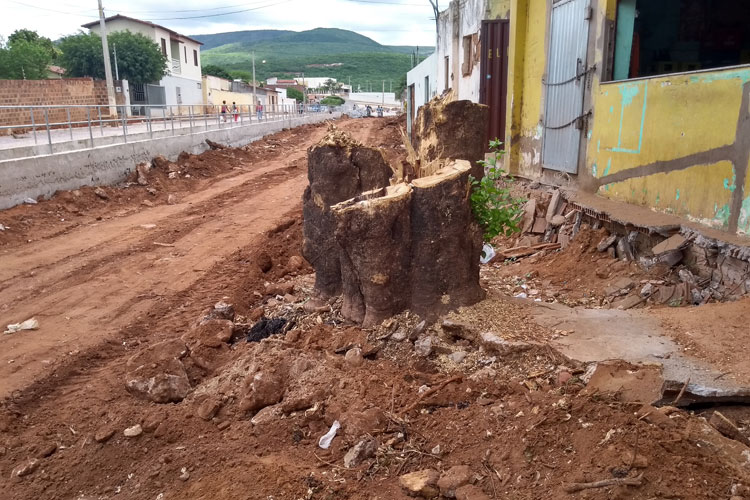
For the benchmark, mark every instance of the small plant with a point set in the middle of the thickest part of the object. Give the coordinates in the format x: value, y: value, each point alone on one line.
x: 496, y: 211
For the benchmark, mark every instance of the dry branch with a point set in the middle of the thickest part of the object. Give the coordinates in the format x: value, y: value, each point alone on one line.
x: 605, y: 483
x: 433, y: 390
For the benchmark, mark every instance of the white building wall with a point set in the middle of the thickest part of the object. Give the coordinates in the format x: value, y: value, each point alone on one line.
x: 188, y: 70
x: 191, y: 91
x: 424, y: 78
x: 459, y: 20
x: 374, y: 98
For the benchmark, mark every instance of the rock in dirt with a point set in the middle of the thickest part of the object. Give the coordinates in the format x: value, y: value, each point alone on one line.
x: 26, y: 468
x: 354, y: 357
x: 282, y: 289
x: 399, y: 336
x: 457, y: 356
x: 356, y: 424
x: 422, y: 483
x: 360, y: 452
x: 141, y: 171
x: 423, y: 346
x: 48, y: 450
x: 606, y: 243
x: 104, y: 435
x: 557, y: 221
x: 494, y: 343
x: 172, y: 199
x: 209, y: 408
x: 452, y: 479
x: 212, y: 333
x: 417, y: 330
x: 296, y: 263
x: 471, y: 492
x: 619, y: 286
x: 101, y: 193
x: 220, y: 310
x: 262, y: 389
x: 264, y: 261
x: 458, y: 330
x: 156, y: 373
x: 134, y: 431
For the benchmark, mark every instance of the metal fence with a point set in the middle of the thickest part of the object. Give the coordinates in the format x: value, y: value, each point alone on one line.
x: 50, y: 129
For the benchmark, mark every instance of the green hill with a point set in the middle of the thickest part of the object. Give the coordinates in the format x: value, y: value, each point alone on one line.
x: 321, y: 52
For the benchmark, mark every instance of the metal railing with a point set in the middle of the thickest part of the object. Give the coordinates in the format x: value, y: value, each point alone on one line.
x: 50, y: 129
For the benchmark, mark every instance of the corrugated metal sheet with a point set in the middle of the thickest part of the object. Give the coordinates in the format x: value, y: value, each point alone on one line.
x: 565, y: 84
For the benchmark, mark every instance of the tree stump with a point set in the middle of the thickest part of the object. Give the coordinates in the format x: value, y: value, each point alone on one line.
x: 446, y: 243
x: 451, y: 130
x: 373, y: 231
x: 339, y: 168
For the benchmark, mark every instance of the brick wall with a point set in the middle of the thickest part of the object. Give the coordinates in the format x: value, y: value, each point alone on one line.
x: 60, y: 92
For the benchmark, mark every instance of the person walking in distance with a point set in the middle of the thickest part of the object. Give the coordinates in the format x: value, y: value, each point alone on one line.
x: 260, y: 110
x: 224, y: 111
x: 235, y: 112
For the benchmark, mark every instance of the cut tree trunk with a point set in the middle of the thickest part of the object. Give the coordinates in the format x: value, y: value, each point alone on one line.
x: 451, y: 130
x: 373, y: 231
x: 339, y: 168
x: 446, y: 243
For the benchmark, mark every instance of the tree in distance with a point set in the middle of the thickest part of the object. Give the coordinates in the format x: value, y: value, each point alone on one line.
x: 139, y: 59
x: 26, y: 56
x: 295, y: 94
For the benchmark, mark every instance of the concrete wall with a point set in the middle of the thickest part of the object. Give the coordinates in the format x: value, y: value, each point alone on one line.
x: 374, y: 98
x: 44, y: 175
x: 423, y: 92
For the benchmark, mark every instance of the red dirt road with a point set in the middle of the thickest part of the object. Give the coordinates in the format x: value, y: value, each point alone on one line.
x: 85, y: 284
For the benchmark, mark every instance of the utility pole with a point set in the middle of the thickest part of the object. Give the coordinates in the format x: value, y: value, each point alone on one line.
x: 255, y: 98
x: 382, y: 96
x: 117, y: 70
x: 107, y: 65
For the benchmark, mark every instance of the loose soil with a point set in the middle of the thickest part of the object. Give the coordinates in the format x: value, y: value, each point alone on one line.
x: 103, y: 291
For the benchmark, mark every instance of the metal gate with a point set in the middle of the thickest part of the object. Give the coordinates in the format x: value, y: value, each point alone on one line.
x: 493, y: 87
x: 565, y: 84
x: 145, y: 93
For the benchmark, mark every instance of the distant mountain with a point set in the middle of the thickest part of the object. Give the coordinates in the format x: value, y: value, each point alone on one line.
x: 337, y: 53
x: 247, y: 37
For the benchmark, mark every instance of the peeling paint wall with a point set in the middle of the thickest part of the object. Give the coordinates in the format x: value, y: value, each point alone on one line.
x: 678, y: 143
x: 462, y: 18
x: 527, y: 66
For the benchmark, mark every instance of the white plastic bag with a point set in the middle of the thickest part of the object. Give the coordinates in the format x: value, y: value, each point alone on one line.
x: 488, y: 253
x: 327, y: 438
x: 29, y: 324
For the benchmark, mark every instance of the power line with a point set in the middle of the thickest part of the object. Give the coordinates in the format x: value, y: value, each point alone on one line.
x: 187, y: 10
x: 221, y: 14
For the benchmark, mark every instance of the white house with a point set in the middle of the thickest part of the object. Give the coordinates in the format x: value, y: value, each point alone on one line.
x: 182, y: 83
x: 421, y: 86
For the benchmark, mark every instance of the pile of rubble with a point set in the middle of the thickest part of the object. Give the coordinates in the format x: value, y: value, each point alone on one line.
x: 675, y: 268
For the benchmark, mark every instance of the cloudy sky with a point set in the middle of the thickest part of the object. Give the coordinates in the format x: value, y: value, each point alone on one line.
x: 390, y: 22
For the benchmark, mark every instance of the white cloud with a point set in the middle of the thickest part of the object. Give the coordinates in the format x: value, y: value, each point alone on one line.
x: 395, y: 22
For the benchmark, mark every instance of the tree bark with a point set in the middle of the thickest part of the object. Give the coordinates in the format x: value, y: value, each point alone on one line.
x: 374, y: 232
x: 451, y: 130
x: 339, y: 168
x: 446, y: 243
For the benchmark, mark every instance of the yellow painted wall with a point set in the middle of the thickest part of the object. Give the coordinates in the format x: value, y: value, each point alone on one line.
x: 643, y: 121
x: 527, y: 65
x: 498, y: 9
